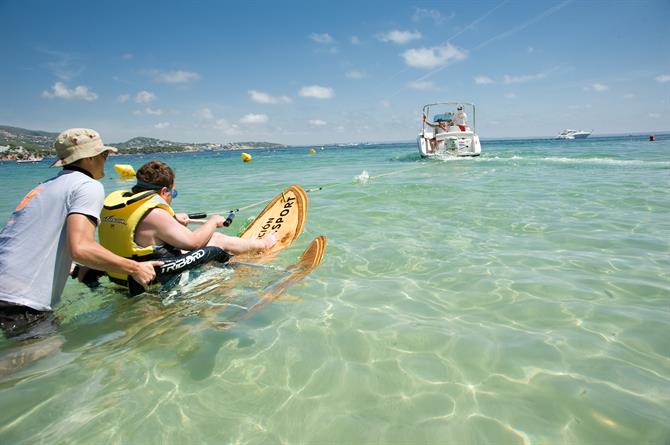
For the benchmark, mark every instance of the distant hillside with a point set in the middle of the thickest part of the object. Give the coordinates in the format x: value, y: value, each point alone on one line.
x: 142, y: 142
x: 29, y: 139
x: 17, y: 143
x: 23, y: 131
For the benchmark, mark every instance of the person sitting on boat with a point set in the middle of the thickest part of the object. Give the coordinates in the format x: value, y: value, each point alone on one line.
x: 140, y: 223
x: 461, y: 118
x: 443, y: 123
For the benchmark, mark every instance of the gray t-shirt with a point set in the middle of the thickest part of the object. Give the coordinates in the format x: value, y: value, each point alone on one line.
x: 35, y: 259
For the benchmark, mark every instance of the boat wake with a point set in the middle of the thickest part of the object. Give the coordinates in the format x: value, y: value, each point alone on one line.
x: 595, y: 161
x: 363, y: 178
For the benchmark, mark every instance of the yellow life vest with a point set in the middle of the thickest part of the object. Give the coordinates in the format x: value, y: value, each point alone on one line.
x: 121, y: 213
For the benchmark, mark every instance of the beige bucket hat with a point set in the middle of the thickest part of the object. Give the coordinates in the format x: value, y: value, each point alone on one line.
x: 78, y: 143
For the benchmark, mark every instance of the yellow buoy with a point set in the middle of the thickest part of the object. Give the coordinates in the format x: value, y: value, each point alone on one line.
x: 246, y: 157
x: 125, y: 170
x: 312, y: 151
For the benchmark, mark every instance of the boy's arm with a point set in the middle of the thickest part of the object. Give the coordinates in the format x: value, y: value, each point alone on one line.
x: 168, y: 230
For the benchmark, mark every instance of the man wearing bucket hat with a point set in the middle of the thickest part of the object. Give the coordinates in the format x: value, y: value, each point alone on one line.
x: 52, y: 226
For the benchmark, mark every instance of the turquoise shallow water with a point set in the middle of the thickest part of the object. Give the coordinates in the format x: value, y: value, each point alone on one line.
x: 521, y: 297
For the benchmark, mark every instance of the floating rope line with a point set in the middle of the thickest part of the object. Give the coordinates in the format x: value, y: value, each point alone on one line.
x: 362, y: 178
x: 397, y: 172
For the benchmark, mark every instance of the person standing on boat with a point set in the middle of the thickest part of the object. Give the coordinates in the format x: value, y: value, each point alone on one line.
x: 52, y: 226
x: 461, y: 118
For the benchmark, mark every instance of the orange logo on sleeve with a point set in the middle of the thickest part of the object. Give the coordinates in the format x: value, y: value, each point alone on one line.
x: 24, y: 202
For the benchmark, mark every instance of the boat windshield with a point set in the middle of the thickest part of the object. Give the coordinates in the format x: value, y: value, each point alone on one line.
x: 443, y: 117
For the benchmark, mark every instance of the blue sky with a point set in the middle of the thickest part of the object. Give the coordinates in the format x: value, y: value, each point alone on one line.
x: 313, y: 72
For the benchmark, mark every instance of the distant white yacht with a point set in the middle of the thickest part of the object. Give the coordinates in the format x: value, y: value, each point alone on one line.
x: 574, y: 134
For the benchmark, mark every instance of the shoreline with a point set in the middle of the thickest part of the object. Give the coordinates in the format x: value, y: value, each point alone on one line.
x: 15, y: 156
x: 40, y: 156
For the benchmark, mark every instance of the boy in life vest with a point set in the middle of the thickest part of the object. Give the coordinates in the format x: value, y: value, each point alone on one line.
x: 140, y: 223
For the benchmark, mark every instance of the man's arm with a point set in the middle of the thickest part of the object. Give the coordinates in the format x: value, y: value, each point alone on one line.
x: 85, y: 250
x: 425, y: 121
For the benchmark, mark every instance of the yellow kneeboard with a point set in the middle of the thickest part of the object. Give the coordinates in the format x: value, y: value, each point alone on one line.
x: 285, y: 215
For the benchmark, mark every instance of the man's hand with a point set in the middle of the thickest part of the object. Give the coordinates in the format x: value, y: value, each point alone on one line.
x: 145, y: 273
x: 86, y: 251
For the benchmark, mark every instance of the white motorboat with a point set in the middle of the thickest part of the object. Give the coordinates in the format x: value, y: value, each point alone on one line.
x: 574, y: 134
x: 31, y: 160
x: 446, y: 130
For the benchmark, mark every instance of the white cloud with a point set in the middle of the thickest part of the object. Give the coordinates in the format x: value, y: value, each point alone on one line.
x: 399, y: 37
x: 148, y: 112
x: 507, y: 79
x: 355, y: 40
x: 580, y: 107
x: 317, y: 122
x: 265, y: 98
x: 420, y: 15
x: 423, y: 85
x: 597, y: 87
x: 175, y: 76
x: 433, y: 57
x: 654, y: 115
x: 253, y: 119
x: 355, y: 74
x: 127, y: 56
x: 144, y: 97
x: 317, y: 92
x: 663, y: 78
x: 60, y: 91
x: 162, y: 125
x: 629, y: 96
x: 385, y: 103
x: 123, y: 98
x: 484, y: 80
x: 204, y: 113
x: 510, y: 96
x: 324, y: 38
x: 227, y: 128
